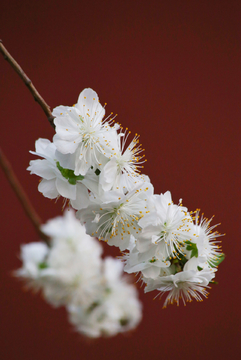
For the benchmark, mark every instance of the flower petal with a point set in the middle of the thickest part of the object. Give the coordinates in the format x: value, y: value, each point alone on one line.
x: 65, y: 147
x: 108, y: 175
x: 48, y: 188
x: 65, y: 189
x: 88, y: 104
x: 82, y: 197
x: 42, y: 168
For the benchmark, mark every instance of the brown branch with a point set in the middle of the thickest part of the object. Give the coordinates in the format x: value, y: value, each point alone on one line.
x: 28, y: 83
x: 22, y: 196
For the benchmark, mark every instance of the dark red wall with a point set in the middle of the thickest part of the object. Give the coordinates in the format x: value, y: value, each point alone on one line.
x: 171, y: 70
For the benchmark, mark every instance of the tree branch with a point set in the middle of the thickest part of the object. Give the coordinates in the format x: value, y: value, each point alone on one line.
x: 28, y: 83
x: 22, y: 196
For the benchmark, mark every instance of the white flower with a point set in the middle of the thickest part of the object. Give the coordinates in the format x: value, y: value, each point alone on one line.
x: 151, y: 264
x: 116, y: 310
x: 81, y: 131
x: 53, y: 183
x: 204, y: 237
x: 33, y: 256
x: 166, y: 226
x: 73, y: 264
x: 186, y: 285
x: 124, y: 164
x: 116, y: 220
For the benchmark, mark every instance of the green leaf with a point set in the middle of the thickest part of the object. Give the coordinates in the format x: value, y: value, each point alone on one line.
x: 199, y: 268
x: 69, y: 174
x: 215, y: 262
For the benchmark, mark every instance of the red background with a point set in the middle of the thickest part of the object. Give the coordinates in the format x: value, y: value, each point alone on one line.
x: 171, y: 70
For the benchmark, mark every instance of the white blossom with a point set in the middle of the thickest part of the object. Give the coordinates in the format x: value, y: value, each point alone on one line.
x: 73, y: 264
x: 81, y: 130
x: 116, y: 310
x: 123, y: 167
x: 90, y: 164
x: 115, y: 221
x: 53, y: 183
x: 165, y: 228
x: 71, y: 272
x: 33, y: 257
x: 205, y: 238
x: 151, y: 264
x: 185, y: 285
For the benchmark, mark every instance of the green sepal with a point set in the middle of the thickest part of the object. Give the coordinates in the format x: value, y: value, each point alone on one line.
x: 179, y: 262
x: 199, y: 268
x: 175, y: 261
x: 216, y: 262
x: 42, y: 265
x: 124, y: 321
x: 93, y: 306
x: 192, y: 247
x: 69, y: 174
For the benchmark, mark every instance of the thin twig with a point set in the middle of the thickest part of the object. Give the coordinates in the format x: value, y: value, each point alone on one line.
x: 22, y: 196
x: 28, y: 83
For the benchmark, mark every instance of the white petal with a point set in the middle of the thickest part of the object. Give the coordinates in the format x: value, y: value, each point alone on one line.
x: 65, y: 147
x: 65, y: 189
x: 42, y: 168
x: 151, y: 272
x: 60, y: 110
x: 48, y: 188
x: 82, y: 197
x: 66, y: 128
x: 81, y: 166
x: 67, y: 161
x: 41, y: 145
x: 113, y: 269
x: 194, y: 262
x: 88, y: 104
x: 108, y: 175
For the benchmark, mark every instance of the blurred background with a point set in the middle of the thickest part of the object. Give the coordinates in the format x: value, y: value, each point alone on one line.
x: 171, y: 71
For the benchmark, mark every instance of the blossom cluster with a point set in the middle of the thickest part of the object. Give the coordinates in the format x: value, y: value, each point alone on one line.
x: 70, y: 272
x: 91, y: 163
